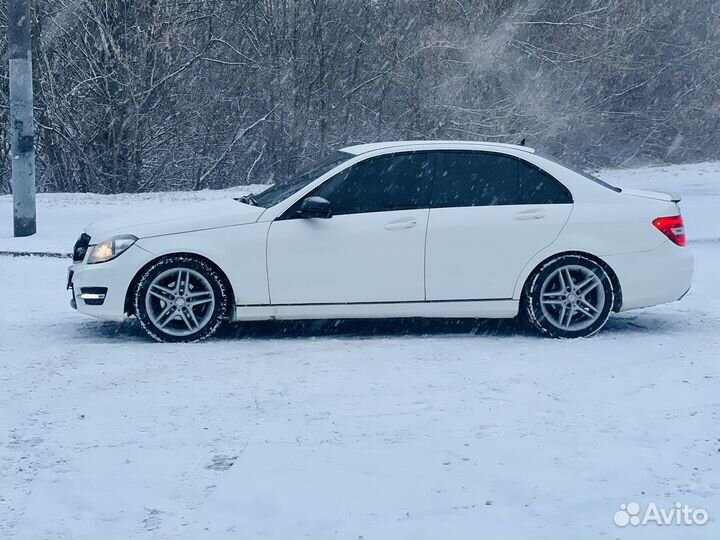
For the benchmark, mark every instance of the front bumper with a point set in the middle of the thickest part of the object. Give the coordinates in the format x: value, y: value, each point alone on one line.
x: 100, y: 290
x: 69, y: 286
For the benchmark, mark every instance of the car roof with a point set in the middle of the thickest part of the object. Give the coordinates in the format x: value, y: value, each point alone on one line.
x: 432, y: 145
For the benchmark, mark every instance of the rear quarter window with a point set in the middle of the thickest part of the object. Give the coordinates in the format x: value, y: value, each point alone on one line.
x: 538, y: 187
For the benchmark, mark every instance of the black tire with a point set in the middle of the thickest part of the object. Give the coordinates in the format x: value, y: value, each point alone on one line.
x: 194, y: 269
x: 544, y: 318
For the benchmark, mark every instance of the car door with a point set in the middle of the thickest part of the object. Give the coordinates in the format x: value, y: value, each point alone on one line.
x: 370, y: 250
x: 490, y: 213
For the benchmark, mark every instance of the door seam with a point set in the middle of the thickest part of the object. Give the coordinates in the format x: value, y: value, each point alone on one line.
x: 425, y: 245
x: 267, y: 261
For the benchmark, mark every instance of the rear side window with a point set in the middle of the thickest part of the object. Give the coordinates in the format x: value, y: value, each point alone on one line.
x: 486, y: 179
x: 385, y: 183
x: 538, y: 187
x: 475, y: 179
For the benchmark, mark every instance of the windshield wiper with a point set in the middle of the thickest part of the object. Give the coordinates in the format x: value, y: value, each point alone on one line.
x: 247, y: 199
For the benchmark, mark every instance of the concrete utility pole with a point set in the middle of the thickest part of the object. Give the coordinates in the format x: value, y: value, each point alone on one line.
x: 22, y: 129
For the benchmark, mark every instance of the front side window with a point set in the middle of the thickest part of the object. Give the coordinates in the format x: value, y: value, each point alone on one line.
x: 475, y: 179
x: 381, y: 184
x: 282, y: 190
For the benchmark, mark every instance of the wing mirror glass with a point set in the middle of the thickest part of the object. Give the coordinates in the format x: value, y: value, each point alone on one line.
x: 315, y: 207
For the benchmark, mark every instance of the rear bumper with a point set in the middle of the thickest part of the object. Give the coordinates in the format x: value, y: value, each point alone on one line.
x: 654, y: 277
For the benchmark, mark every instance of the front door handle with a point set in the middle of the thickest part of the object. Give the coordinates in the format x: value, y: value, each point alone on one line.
x: 404, y: 223
x: 527, y: 215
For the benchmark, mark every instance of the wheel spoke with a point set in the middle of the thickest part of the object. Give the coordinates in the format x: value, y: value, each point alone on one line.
x: 569, y: 280
x: 583, y: 310
x: 200, y: 293
x: 161, y: 292
x: 198, y: 298
x: 182, y: 282
x: 165, y: 316
x: 192, y: 317
x: 161, y: 288
x: 160, y: 296
x: 199, y: 302
x: 561, y: 278
x: 587, y: 305
x: 563, y: 309
x: 176, y: 288
x: 594, y: 282
x: 586, y: 282
x: 186, y: 320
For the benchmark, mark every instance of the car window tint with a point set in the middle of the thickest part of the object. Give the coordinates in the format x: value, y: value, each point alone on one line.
x: 282, y: 190
x: 393, y: 182
x: 538, y: 187
x: 475, y: 179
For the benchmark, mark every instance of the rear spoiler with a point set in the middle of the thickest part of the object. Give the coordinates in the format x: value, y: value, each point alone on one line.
x: 675, y: 197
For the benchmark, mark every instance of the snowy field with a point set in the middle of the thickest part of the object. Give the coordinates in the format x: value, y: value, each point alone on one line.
x: 459, y: 430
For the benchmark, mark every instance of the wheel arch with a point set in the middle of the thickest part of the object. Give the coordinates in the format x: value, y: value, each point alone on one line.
x: 135, y: 282
x: 614, y: 280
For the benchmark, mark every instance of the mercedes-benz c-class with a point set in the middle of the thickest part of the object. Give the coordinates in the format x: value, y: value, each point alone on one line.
x: 396, y: 229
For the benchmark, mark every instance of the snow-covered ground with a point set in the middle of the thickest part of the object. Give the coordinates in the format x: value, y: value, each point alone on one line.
x: 368, y: 430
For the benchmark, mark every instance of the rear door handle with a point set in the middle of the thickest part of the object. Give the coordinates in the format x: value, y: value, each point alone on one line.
x: 527, y: 215
x: 404, y: 223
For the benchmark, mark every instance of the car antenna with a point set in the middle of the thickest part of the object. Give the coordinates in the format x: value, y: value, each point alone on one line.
x: 522, y: 142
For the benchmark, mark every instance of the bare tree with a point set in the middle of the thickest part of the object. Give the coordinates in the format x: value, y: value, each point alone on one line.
x: 139, y: 95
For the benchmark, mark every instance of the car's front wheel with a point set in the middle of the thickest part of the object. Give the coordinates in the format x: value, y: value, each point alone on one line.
x: 180, y: 299
x: 570, y: 296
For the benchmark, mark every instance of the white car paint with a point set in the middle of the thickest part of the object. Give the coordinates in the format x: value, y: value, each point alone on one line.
x: 466, y: 262
x: 498, y: 240
x: 617, y: 227
x: 178, y: 219
x: 239, y: 250
x: 376, y: 257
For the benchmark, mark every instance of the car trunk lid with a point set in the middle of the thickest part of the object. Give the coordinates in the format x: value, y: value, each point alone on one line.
x: 656, y: 195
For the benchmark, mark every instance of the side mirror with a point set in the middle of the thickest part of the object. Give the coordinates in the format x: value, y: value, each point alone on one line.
x: 315, y: 207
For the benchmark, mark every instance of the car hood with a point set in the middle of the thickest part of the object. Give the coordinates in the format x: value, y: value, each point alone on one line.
x: 175, y: 219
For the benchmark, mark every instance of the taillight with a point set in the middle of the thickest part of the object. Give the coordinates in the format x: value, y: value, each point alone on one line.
x: 672, y: 227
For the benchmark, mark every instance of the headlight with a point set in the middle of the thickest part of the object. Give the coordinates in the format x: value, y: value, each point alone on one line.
x: 109, y: 249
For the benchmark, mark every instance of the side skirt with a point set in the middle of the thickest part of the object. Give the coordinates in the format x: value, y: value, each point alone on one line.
x: 480, y: 309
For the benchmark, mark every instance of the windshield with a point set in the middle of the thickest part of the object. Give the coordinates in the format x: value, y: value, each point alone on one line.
x: 581, y: 172
x: 282, y: 190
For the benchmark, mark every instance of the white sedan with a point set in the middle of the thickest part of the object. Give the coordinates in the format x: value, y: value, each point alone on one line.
x: 397, y: 229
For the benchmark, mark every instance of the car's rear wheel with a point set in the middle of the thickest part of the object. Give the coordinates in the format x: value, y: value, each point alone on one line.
x: 181, y: 299
x: 570, y: 296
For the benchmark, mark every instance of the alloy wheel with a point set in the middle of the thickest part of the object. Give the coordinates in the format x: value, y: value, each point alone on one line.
x: 180, y: 301
x: 572, y: 297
